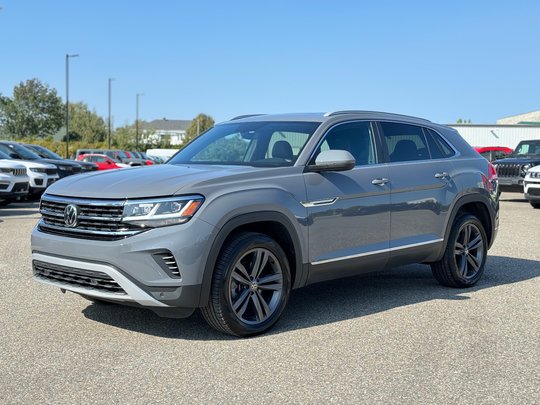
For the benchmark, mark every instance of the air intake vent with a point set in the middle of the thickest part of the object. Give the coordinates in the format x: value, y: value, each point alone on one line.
x: 167, y: 262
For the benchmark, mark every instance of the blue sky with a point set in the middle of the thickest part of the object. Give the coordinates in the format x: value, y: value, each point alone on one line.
x: 442, y: 61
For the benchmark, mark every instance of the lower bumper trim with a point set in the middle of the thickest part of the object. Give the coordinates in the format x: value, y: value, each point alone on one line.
x: 133, y: 292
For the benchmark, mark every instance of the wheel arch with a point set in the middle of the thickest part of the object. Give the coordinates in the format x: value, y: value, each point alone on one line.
x: 477, y: 205
x: 272, y: 223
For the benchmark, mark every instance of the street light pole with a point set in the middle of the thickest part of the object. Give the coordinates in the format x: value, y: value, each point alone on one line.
x: 67, y: 101
x: 137, y: 121
x: 110, y: 80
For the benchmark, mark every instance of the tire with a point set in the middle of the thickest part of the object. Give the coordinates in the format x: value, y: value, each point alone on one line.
x: 535, y: 204
x: 250, y: 287
x: 464, y: 258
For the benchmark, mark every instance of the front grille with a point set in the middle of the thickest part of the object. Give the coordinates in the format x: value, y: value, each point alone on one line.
x: 18, y: 187
x: 88, y: 279
x: 97, y: 219
x: 509, y: 170
x: 18, y: 172
x: 533, y: 191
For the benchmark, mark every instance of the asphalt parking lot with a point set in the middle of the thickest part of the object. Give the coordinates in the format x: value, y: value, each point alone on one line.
x: 395, y: 337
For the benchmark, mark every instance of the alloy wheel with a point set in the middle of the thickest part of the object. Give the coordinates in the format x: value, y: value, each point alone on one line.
x: 469, y: 250
x: 255, y: 286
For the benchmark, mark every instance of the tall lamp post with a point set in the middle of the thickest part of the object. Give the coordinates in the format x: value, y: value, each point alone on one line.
x: 110, y: 80
x: 67, y: 101
x: 137, y: 121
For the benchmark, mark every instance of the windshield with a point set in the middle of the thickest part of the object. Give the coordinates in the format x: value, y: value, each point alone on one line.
x: 46, y: 153
x: 527, y: 148
x: 248, y: 143
x: 21, y: 151
x: 4, y: 156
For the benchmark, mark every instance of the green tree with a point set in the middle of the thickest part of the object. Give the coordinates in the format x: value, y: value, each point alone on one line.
x: 198, y: 125
x: 85, y: 125
x: 34, y: 110
x: 462, y: 121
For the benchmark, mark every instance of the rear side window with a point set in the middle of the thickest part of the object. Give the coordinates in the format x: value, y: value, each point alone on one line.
x: 405, y: 142
x: 438, y: 146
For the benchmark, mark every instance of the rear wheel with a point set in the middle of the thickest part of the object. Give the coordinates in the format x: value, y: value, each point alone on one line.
x: 465, y: 256
x: 250, y: 286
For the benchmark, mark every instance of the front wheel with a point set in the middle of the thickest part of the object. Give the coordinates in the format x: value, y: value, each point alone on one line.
x: 250, y: 286
x: 464, y: 259
x: 535, y: 204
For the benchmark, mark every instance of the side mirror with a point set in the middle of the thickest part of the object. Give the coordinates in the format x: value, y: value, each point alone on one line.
x: 333, y: 161
x: 14, y: 156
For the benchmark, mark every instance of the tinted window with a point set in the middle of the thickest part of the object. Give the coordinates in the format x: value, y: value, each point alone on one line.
x: 266, y: 143
x: 441, y: 148
x: 354, y: 137
x: 405, y: 142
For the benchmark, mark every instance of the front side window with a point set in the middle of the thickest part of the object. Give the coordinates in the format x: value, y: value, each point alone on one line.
x: 405, y: 142
x: 248, y: 143
x: 354, y: 137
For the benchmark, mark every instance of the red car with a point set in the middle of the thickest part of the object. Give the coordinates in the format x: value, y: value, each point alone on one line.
x: 102, y: 161
x: 492, y: 153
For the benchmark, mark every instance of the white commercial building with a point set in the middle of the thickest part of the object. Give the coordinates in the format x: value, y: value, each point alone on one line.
x: 497, y: 135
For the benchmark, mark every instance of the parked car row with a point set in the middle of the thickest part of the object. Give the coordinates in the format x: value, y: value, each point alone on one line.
x: 27, y: 170
x: 130, y: 158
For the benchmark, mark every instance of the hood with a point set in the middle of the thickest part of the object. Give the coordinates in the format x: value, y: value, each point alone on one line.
x: 9, y: 164
x: 145, y: 181
x: 535, y: 169
x: 57, y: 162
x: 514, y: 160
x: 35, y: 163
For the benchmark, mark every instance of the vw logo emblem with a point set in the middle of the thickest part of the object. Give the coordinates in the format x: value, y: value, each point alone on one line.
x: 71, y: 215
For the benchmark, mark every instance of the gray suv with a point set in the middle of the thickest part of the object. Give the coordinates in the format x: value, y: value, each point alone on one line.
x: 263, y: 204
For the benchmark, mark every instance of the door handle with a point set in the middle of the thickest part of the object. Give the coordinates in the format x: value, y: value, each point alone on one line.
x: 379, y: 182
x: 441, y: 175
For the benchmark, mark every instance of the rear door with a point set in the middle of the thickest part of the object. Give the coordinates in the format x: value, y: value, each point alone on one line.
x: 422, y: 190
x: 348, y: 215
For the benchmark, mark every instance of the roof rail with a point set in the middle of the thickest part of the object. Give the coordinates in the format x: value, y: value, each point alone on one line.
x: 245, y: 116
x: 334, y: 113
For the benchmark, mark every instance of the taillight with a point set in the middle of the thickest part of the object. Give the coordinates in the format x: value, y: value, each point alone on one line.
x: 490, y: 182
x: 492, y: 172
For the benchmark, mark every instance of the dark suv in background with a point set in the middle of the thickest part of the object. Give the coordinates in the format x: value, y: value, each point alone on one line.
x: 261, y: 205
x: 513, y: 169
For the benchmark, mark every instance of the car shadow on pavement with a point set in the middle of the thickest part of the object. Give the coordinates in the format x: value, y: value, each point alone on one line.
x: 328, y: 302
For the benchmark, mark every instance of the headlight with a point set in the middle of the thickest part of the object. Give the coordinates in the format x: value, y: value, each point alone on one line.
x: 38, y: 170
x: 64, y: 168
x: 526, y: 167
x: 5, y: 170
x: 161, y: 212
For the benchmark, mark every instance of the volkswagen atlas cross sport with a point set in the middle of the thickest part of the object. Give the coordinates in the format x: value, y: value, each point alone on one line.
x: 260, y: 205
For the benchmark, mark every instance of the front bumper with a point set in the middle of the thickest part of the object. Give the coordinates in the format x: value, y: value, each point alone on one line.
x: 13, y: 189
x: 131, y: 263
x: 531, y: 190
x: 511, y: 184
